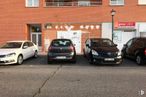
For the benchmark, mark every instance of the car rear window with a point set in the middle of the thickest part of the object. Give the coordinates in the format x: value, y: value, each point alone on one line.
x: 144, y: 41
x: 58, y: 43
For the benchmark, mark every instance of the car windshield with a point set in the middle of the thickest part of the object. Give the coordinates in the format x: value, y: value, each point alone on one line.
x: 102, y: 42
x: 58, y: 43
x: 12, y: 45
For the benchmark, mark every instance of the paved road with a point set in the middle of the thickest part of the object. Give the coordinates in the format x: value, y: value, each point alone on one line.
x: 35, y: 78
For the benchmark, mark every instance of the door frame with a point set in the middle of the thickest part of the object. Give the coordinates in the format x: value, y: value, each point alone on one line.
x: 37, y: 38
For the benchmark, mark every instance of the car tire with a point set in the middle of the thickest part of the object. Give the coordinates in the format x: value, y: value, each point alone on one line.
x: 139, y: 60
x: 49, y: 61
x: 91, y: 59
x: 73, y: 60
x: 84, y: 53
x: 35, y: 54
x: 123, y: 54
x: 20, y: 60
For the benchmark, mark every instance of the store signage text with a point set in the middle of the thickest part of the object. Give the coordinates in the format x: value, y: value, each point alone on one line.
x: 125, y: 25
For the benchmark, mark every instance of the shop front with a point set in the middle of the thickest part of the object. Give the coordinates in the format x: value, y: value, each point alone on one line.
x: 77, y: 32
x: 123, y: 32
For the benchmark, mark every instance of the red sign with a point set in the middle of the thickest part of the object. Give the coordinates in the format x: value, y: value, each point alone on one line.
x: 125, y: 25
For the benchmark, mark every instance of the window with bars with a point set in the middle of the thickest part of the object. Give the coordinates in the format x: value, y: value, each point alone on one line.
x: 32, y: 3
x: 49, y: 3
x: 116, y: 2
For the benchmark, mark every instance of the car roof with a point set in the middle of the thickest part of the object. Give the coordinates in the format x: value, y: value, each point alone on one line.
x: 99, y: 38
x: 140, y: 37
x: 61, y: 39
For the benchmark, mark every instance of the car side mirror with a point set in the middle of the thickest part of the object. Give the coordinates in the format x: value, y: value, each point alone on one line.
x: 25, y: 47
x: 125, y: 45
x: 115, y: 45
x: 87, y: 45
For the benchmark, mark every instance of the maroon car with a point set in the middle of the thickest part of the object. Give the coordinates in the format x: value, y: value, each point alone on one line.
x: 61, y: 49
x: 135, y: 49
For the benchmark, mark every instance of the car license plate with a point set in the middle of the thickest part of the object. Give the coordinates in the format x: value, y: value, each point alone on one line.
x: 109, y: 59
x: 61, y: 57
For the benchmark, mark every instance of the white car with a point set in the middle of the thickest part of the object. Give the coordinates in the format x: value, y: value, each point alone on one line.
x: 16, y: 51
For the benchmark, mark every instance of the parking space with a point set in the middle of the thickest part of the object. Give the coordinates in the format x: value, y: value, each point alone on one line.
x: 81, y: 61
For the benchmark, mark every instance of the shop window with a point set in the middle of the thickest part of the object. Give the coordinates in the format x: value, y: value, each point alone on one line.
x: 116, y: 2
x: 142, y: 2
x: 32, y: 3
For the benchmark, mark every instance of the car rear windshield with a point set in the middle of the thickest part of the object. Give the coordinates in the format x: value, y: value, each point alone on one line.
x: 12, y: 45
x: 58, y: 43
x: 143, y: 41
x: 102, y: 42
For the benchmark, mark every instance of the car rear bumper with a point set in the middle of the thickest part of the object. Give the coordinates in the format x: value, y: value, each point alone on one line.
x: 102, y: 60
x: 67, y: 56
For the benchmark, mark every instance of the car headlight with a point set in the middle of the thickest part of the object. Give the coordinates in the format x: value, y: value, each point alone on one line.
x: 11, y: 55
x: 119, y: 53
x: 95, y: 52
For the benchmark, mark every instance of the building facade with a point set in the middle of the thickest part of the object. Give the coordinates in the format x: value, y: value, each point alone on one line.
x: 43, y: 20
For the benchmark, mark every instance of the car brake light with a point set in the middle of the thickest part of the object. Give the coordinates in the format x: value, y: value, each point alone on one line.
x: 49, y: 48
x: 71, y: 48
x: 145, y: 51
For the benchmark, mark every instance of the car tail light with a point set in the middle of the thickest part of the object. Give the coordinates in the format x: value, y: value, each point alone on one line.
x: 50, y: 48
x: 71, y: 48
x: 145, y: 51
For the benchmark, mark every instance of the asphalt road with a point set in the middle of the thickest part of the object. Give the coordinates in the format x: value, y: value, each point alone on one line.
x: 35, y: 78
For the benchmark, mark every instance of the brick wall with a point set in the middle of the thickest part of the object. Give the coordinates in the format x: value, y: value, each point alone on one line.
x: 14, y: 15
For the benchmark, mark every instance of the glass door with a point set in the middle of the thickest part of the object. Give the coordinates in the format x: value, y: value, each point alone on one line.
x: 37, y: 39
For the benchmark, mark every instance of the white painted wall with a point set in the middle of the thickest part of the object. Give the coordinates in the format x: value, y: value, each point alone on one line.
x: 107, y: 30
x: 141, y: 29
x: 74, y: 35
x: 125, y: 37
x: 122, y: 37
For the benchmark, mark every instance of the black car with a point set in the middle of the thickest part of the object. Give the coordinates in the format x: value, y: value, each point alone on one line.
x: 135, y: 48
x: 61, y: 49
x: 102, y: 50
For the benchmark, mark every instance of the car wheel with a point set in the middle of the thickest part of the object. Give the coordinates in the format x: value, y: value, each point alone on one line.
x: 49, y: 61
x: 139, y: 60
x: 35, y: 54
x: 91, y: 59
x: 84, y: 53
x: 73, y: 60
x: 123, y: 54
x: 20, y: 59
